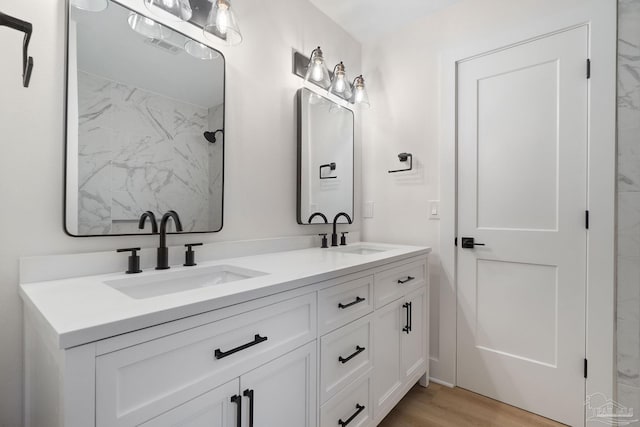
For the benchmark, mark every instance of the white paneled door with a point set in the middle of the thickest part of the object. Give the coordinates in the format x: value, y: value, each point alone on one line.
x: 522, y: 174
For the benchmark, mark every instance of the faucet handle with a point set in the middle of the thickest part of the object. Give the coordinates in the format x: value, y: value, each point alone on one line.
x: 134, y: 260
x: 324, y: 240
x: 343, y: 238
x: 190, y: 255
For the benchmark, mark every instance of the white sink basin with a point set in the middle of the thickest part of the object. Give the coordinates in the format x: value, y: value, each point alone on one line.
x: 361, y: 249
x: 170, y: 282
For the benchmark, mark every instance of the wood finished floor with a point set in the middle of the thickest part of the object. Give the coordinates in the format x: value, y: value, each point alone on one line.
x: 439, y: 406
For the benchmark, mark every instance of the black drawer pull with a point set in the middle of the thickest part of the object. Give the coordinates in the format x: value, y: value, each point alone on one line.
x: 358, y: 300
x: 407, y: 328
x: 359, y: 408
x: 408, y: 279
x: 357, y: 352
x: 249, y: 393
x: 238, y: 401
x: 222, y: 354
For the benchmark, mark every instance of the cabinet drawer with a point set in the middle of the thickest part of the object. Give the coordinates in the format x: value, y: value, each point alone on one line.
x: 143, y: 381
x: 345, y: 354
x: 344, y: 303
x: 396, y: 282
x: 352, y: 406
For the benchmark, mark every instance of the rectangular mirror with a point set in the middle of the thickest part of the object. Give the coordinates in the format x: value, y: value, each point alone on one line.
x: 145, y: 125
x: 325, y: 158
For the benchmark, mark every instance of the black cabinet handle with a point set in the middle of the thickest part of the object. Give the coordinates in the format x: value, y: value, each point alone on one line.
x: 249, y: 393
x: 238, y: 401
x: 407, y: 328
x: 354, y: 354
x: 359, y: 408
x: 358, y: 300
x: 408, y: 279
x: 222, y: 354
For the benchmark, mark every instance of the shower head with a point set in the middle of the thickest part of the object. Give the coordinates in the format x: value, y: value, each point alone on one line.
x: 211, y: 136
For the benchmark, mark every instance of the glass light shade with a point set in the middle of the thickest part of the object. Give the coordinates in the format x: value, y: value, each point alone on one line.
x: 146, y: 27
x: 317, y: 71
x: 222, y: 25
x: 171, y: 10
x: 199, y: 50
x: 340, y: 85
x: 360, y: 96
x: 90, y: 5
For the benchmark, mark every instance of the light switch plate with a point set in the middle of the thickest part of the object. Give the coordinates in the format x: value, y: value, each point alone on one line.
x: 434, y: 209
x: 367, y: 211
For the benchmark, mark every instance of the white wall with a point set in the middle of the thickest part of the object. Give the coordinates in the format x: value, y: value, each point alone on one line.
x: 404, y: 83
x: 260, y: 179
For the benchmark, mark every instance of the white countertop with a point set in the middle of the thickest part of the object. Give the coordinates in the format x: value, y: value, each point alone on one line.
x: 84, y: 309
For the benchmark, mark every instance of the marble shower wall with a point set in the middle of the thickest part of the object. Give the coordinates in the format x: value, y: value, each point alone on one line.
x: 628, y: 232
x: 142, y: 151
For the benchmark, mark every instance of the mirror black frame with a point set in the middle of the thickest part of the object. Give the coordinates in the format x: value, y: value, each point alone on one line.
x: 68, y: 6
x: 342, y: 220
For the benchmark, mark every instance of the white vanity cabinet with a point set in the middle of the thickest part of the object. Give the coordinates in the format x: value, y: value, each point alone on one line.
x: 339, y: 352
x: 401, y: 335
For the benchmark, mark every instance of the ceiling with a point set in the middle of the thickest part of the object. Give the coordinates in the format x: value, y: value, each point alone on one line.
x: 369, y: 20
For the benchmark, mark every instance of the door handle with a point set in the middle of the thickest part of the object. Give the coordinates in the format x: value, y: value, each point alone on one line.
x: 469, y: 243
x: 249, y: 393
x: 237, y: 399
x: 407, y: 328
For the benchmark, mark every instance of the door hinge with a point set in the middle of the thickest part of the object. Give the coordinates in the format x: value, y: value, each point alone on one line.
x: 455, y: 241
x: 585, y: 368
x: 586, y: 219
x: 588, y: 68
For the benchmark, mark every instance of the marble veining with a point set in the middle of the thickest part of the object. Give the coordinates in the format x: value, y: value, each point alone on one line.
x: 141, y: 151
x: 628, y: 228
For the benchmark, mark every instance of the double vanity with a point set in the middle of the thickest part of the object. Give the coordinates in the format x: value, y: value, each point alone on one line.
x: 274, y: 337
x: 310, y: 337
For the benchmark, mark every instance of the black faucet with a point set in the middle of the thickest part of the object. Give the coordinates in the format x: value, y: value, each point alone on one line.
x: 334, y: 236
x: 320, y: 214
x: 163, y: 251
x: 152, y: 219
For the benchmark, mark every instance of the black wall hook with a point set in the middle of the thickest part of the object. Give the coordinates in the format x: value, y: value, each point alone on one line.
x: 27, y: 29
x: 403, y: 157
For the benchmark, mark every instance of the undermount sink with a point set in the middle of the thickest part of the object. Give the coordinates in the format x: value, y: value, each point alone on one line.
x: 361, y: 250
x: 182, y: 280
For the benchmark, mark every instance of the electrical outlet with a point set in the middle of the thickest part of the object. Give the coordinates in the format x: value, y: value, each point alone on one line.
x: 434, y: 209
x: 367, y: 211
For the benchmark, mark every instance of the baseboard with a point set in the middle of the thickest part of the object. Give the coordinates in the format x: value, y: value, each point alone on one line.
x: 444, y: 383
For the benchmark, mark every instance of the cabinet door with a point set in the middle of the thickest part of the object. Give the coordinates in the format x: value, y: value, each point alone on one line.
x: 212, y: 409
x: 387, y: 338
x: 282, y: 393
x: 414, y: 341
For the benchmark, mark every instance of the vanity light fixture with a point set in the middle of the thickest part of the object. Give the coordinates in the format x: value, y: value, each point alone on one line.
x: 317, y: 71
x: 360, y: 96
x: 314, y: 70
x: 90, y: 5
x: 200, y: 51
x: 340, y: 85
x: 222, y: 25
x: 146, y: 26
x: 172, y: 10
